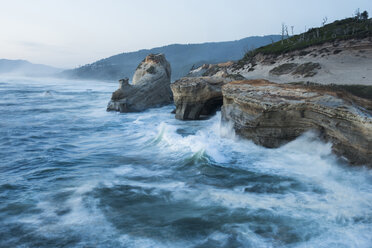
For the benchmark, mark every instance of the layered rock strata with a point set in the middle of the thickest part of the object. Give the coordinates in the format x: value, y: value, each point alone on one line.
x: 150, y: 87
x: 273, y: 114
x: 197, y: 96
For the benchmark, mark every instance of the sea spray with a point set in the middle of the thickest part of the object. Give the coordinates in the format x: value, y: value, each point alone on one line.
x: 75, y: 175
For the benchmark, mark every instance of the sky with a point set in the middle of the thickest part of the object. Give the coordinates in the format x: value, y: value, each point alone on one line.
x: 69, y: 33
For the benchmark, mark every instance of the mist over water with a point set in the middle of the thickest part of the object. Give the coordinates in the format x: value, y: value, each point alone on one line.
x: 74, y: 175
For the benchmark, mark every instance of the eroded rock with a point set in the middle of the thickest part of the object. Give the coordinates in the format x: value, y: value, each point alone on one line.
x: 196, y: 96
x: 215, y: 70
x: 308, y: 69
x: 150, y: 88
x: 273, y: 114
x: 283, y: 69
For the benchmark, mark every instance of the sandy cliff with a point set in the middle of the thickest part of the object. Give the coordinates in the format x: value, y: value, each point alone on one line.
x: 338, y: 62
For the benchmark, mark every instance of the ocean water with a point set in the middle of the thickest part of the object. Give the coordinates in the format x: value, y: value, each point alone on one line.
x: 74, y: 175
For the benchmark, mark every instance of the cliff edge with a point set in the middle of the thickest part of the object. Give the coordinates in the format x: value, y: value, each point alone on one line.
x: 273, y: 114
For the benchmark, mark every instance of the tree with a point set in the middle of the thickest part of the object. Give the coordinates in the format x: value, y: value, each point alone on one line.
x: 357, y: 14
x: 325, y: 19
x: 286, y: 31
x: 364, y: 15
x: 283, y: 32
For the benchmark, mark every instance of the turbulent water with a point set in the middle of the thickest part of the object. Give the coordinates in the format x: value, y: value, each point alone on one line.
x: 74, y: 175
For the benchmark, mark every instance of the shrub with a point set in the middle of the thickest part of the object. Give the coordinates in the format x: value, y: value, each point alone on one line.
x: 364, y: 15
x: 339, y: 30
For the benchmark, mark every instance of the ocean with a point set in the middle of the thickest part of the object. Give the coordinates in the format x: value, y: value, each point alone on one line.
x: 74, y: 175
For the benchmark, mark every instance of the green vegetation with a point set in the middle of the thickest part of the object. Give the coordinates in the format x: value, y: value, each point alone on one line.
x: 364, y: 15
x: 181, y: 58
x: 356, y: 27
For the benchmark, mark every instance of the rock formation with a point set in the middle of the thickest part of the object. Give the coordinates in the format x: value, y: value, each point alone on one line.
x: 213, y: 70
x: 304, y: 70
x: 196, y: 96
x: 150, y: 87
x: 272, y: 114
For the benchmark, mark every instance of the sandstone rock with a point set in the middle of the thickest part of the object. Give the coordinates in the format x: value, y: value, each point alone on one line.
x: 272, y: 114
x: 215, y: 70
x: 308, y: 69
x: 150, y: 88
x: 283, y: 69
x: 196, y: 96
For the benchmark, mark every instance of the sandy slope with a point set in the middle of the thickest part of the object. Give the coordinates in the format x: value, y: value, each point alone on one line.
x: 353, y: 65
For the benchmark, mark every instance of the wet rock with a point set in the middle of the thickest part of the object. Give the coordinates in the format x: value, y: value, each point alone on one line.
x: 197, y: 96
x: 273, y: 114
x: 150, y: 87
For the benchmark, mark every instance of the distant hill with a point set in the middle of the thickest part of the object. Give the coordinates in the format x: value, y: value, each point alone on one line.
x: 25, y: 68
x: 181, y: 58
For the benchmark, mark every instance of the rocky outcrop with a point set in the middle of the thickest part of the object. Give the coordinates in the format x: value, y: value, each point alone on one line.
x: 150, y: 87
x: 304, y: 70
x: 215, y: 70
x: 272, y: 114
x: 197, y: 96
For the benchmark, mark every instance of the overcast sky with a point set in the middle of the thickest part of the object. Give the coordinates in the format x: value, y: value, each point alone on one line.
x: 68, y: 33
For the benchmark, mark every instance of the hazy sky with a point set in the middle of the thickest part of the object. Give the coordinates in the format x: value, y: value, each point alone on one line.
x: 68, y: 33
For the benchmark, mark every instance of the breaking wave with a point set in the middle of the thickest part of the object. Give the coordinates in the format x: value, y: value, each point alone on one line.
x: 75, y: 175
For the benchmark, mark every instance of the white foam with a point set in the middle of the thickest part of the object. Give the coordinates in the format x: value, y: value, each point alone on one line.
x: 206, y: 140
x: 347, y: 191
x: 340, y: 211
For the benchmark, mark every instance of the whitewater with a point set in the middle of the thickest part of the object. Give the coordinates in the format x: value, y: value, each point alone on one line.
x: 74, y: 175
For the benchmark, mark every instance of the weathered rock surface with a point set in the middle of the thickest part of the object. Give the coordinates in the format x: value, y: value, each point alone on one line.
x: 150, y: 87
x: 196, y: 96
x: 215, y: 70
x: 304, y: 70
x: 272, y: 114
